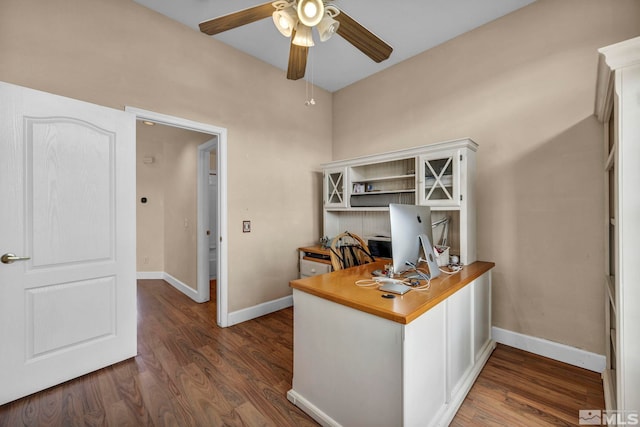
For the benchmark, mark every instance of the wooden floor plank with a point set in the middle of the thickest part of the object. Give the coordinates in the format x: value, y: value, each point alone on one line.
x: 519, y: 388
x: 208, y: 403
x: 190, y: 372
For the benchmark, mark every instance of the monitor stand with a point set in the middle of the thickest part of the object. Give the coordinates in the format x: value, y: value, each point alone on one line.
x: 429, y: 256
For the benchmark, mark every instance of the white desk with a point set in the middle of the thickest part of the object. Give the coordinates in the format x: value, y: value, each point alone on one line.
x: 363, y: 360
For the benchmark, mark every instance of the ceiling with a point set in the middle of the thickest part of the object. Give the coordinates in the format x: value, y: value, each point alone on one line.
x: 409, y: 26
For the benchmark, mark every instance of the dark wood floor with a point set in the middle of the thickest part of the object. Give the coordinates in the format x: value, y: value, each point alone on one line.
x: 189, y: 372
x: 517, y: 388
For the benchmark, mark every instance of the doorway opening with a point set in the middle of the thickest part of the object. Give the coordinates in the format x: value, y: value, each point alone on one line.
x: 214, y: 147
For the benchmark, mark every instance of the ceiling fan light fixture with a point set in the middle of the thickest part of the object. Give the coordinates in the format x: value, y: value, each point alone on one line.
x: 304, y: 36
x: 285, y: 20
x: 310, y: 12
x: 327, y: 27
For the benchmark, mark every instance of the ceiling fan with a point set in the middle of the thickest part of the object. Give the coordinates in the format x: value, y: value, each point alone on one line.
x: 295, y: 19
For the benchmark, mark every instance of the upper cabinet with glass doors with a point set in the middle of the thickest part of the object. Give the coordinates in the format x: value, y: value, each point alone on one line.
x: 439, y: 182
x: 358, y: 191
x: 335, y: 195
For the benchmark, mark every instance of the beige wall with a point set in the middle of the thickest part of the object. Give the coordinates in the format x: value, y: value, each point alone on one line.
x: 117, y: 53
x: 149, y: 184
x: 523, y: 88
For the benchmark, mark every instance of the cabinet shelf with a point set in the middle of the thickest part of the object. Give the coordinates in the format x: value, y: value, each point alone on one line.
x: 378, y: 199
x: 384, y: 178
x: 368, y: 193
x: 360, y: 209
x: 386, y: 209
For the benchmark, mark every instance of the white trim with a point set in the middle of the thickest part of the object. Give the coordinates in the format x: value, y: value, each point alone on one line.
x: 222, y: 251
x: 222, y: 245
x: 610, y: 59
x: 608, y: 378
x: 623, y: 54
x: 553, y: 350
x: 312, y: 410
x: 182, y: 287
x: 249, y: 313
x: 149, y: 275
x: 176, y: 283
x: 202, y: 185
x: 404, y: 153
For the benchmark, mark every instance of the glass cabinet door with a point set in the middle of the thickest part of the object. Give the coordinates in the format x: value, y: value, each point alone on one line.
x: 334, y: 188
x: 440, y: 179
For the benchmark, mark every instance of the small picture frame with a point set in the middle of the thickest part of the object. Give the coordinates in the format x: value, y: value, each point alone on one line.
x: 358, y: 188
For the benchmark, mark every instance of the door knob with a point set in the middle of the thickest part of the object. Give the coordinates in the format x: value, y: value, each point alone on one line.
x: 9, y: 258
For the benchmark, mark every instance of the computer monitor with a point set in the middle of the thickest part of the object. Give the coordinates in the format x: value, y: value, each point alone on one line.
x: 411, y: 232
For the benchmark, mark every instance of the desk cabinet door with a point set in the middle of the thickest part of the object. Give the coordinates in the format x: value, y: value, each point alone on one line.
x: 481, y: 313
x: 459, y: 339
x: 310, y: 268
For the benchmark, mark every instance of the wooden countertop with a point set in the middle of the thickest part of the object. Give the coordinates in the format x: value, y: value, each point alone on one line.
x: 339, y: 287
x: 319, y: 250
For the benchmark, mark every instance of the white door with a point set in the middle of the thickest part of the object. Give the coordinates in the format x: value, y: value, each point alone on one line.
x: 67, y: 201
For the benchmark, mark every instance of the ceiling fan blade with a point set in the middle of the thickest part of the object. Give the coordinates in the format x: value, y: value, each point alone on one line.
x: 237, y: 19
x: 363, y: 39
x: 297, y: 61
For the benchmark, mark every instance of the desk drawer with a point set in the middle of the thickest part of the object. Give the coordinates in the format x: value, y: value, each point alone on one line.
x: 310, y: 268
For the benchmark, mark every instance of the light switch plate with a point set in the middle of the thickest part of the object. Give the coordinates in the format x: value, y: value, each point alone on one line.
x: 246, y: 226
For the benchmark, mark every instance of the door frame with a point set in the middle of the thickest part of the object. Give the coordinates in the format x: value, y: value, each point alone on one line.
x: 204, y: 170
x: 203, y: 216
x: 202, y: 241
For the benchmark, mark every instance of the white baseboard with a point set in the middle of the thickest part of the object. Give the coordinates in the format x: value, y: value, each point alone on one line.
x: 233, y: 318
x: 179, y: 285
x: 259, y: 310
x: 553, y: 350
x: 182, y: 287
x: 147, y: 275
x: 312, y: 410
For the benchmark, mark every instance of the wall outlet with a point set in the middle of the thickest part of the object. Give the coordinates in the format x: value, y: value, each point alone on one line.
x: 246, y: 226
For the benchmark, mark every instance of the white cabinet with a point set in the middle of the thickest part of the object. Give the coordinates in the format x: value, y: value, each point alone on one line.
x: 313, y: 268
x: 313, y: 260
x: 353, y: 368
x: 618, y: 107
x: 459, y: 338
x: 439, y: 183
x: 335, y: 194
x: 357, y: 192
x: 481, y: 314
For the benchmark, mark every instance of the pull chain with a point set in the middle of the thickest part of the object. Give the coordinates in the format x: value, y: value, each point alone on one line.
x: 310, y: 101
